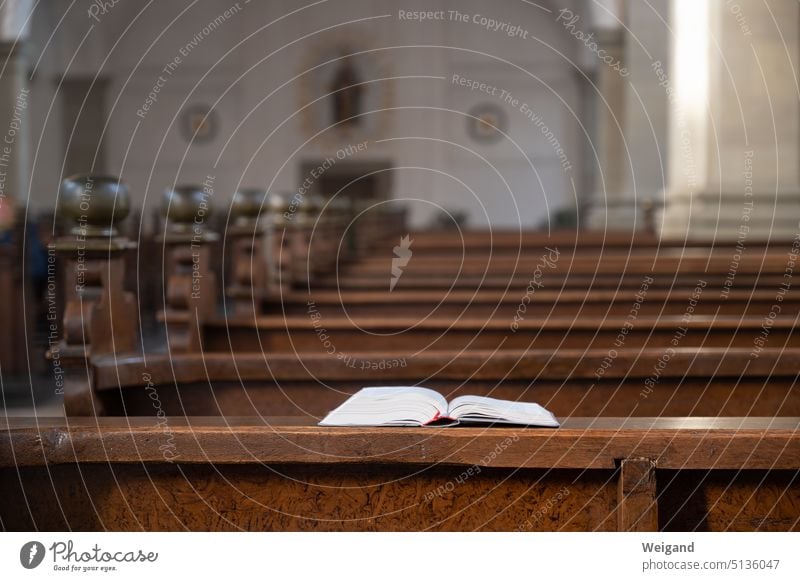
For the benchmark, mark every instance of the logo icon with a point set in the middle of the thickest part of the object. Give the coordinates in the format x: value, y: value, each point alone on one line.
x: 31, y: 554
x: 402, y: 254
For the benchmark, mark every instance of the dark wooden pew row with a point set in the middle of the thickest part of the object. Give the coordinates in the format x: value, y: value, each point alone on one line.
x: 190, y: 299
x: 721, y: 269
x: 605, y: 277
x: 540, y: 302
x: 105, y: 298
x: 412, y: 335
x: 277, y: 474
x: 319, y: 330
x: 166, y: 472
x: 551, y: 280
x: 511, y: 241
x: 304, y: 251
x: 653, y: 382
x: 697, y: 263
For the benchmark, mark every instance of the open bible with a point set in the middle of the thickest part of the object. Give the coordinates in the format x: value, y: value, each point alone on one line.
x: 419, y: 406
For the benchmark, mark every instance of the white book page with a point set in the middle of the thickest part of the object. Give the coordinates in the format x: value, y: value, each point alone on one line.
x: 389, y: 406
x: 474, y: 408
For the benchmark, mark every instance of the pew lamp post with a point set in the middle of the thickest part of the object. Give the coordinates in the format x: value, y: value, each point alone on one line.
x: 339, y: 216
x: 190, y: 288
x: 367, y: 224
x: 304, y: 242
x: 324, y: 239
x: 99, y: 316
x: 397, y: 221
x: 249, y: 288
x: 281, y: 213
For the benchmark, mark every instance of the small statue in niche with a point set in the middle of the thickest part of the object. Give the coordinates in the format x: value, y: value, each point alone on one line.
x: 346, y: 92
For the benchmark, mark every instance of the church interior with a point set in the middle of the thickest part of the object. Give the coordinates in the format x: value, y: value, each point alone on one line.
x: 221, y: 220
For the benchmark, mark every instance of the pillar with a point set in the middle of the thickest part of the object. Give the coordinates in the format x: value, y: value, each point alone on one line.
x: 733, y: 120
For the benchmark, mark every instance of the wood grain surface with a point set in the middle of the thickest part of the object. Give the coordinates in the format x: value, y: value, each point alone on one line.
x: 278, y: 474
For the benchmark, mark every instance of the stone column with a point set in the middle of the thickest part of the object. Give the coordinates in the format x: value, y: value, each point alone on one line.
x: 646, y: 107
x: 733, y: 146
x: 14, y: 99
x: 609, y: 210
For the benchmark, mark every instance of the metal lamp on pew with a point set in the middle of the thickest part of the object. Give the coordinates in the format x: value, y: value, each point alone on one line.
x: 280, y: 211
x: 99, y: 316
x: 366, y: 225
x: 340, y: 216
x: 190, y: 297
x: 324, y: 241
x: 247, y: 238
x: 304, y: 241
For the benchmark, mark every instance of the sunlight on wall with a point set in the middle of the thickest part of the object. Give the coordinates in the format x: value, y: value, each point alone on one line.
x: 690, y: 71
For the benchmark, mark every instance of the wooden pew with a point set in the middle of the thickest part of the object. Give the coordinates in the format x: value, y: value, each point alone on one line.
x: 191, y: 290
x: 697, y: 264
x: 600, y: 280
x: 542, y: 302
x: 250, y: 285
x: 166, y: 472
x: 576, y: 266
x: 565, y: 383
x: 100, y: 317
x: 317, y: 333
x: 641, y: 261
x: 654, y: 382
x: 501, y: 240
x: 275, y: 474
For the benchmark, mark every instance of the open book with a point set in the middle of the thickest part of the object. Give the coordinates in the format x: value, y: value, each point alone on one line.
x: 419, y: 406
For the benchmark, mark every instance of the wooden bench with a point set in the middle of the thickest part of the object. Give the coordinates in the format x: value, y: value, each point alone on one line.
x: 98, y: 323
x: 320, y: 334
x: 685, y: 382
x: 517, y: 283
x: 275, y: 474
x: 500, y: 240
x: 298, y: 252
x: 645, y: 261
x: 540, y: 302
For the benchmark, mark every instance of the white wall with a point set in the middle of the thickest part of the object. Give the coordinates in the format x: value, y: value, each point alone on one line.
x: 131, y: 44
